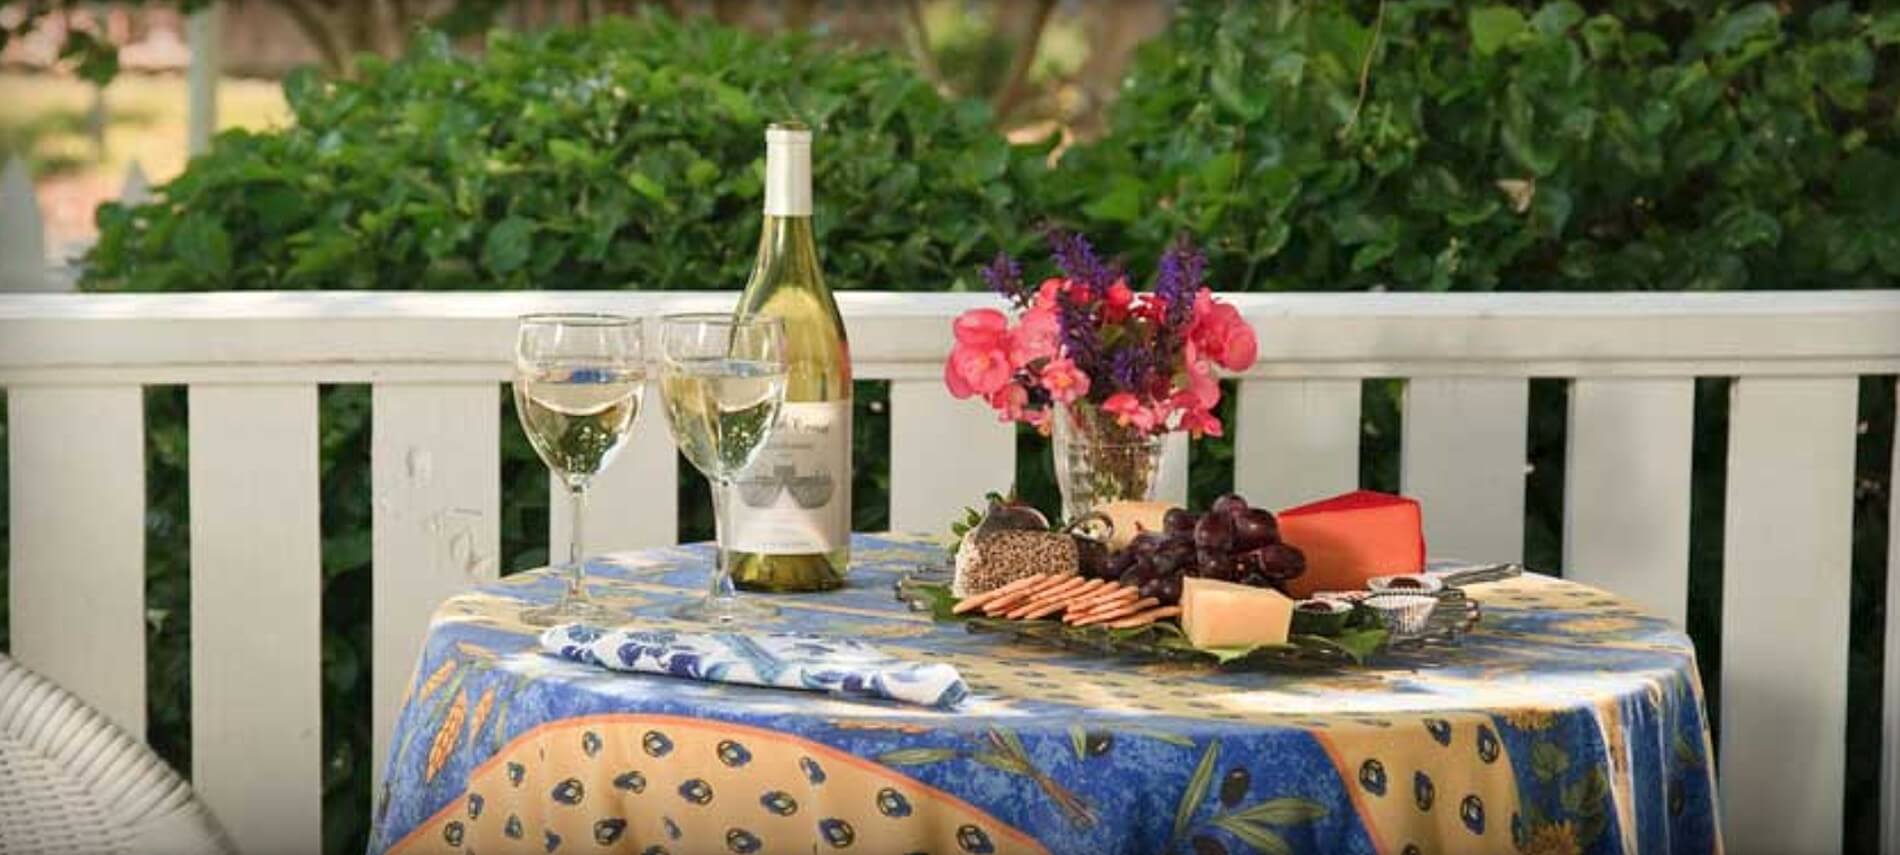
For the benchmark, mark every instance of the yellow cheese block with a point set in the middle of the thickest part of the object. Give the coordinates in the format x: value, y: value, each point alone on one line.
x: 1223, y: 614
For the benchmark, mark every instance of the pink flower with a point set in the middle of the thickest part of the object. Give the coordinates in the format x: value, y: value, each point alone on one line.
x: 1046, y: 293
x: 1203, y: 390
x: 1037, y: 337
x: 971, y: 371
x: 1064, y: 381
x: 1200, y: 423
x: 983, y: 329
x: 1009, y: 402
x: 1222, y: 334
x: 1128, y: 410
x: 979, y: 363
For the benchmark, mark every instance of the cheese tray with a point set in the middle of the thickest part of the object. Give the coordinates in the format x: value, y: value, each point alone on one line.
x: 1363, y: 637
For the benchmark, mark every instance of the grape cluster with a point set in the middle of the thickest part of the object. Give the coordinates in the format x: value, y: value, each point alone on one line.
x: 1232, y: 542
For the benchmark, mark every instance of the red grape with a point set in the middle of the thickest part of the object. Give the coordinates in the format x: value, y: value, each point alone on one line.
x: 1254, y: 528
x: 1215, y: 531
x: 1178, y: 521
x: 1228, y: 505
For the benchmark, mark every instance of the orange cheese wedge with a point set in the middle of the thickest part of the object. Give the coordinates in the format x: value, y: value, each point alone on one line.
x: 1349, y: 539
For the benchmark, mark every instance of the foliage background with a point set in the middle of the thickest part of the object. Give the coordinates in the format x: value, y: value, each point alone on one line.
x: 1411, y: 144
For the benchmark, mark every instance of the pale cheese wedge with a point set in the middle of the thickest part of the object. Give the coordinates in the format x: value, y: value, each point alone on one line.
x: 1223, y: 614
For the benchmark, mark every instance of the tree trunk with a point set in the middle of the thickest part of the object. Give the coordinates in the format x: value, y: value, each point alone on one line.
x: 917, y: 44
x: 1115, y: 31
x: 1028, y: 40
x: 319, y: 26
x: 798, y: 14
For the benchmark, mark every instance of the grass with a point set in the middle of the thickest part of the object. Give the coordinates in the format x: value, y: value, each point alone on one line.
x: 48, y: 118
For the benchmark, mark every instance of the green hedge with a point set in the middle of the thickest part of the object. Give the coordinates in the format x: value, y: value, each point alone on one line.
x: 1651, y: 145
x: 1413, y: 144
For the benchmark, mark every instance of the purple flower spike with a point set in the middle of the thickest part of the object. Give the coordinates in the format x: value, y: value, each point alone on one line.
x: 1078, y: 261
x: 1177, y: 283
x: 1005, y: 277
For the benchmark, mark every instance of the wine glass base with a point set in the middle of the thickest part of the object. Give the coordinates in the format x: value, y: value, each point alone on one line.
x: 581, y: 611
x: 725, y: 611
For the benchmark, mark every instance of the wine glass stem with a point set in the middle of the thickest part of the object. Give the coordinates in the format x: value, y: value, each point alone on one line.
x: 576, y: 551
x: 722, y: 588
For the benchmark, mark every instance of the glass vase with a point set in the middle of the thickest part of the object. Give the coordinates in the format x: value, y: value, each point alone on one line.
x: 1099, y: 461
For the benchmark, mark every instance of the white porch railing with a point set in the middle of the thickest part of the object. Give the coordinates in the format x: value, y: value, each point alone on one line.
x: 74, y: 365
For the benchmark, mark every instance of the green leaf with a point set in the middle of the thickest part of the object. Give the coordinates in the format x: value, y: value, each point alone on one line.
x: 1283, y: 811
x: 1002, y: 762
x: 97, y: 60
x: 1686, y: 754
x: 702, y: 173
x: 1196, y: 791
x: 1369, y: 255
x: 1555, y: 19
x: 1263, y: 840
x: 1548, y: 762
x: 508, y: 245
x: 202, y: 246
x: 939, y: 599
x: 569, y: 152
x: 735, y: 102
x: 1754, y: 22
x: 1885, y: 29
x: 1079, y: 739
x: 1217, y: 172
x: 1493, y: 26
x: 1586, y: 794
x: 646, y: 186
x: 916, y: 756
x: 1743, y: 226
x: 1122, y: 202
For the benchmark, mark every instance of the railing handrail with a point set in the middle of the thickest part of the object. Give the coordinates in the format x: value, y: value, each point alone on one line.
x: 361, y: 336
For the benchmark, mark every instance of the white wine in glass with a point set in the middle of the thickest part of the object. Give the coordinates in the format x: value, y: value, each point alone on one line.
x: 722, y: 381
x: 578, y: 383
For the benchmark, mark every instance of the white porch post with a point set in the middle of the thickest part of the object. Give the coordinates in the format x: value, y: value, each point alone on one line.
x: 202, y: 33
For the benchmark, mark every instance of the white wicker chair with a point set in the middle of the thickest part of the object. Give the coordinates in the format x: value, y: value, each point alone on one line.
x: 71, y: 781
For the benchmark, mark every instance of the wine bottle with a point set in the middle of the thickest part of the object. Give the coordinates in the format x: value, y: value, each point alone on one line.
x: 790, y: 513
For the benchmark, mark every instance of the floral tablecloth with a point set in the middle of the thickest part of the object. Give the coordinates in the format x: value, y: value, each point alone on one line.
x: 1568, y: 723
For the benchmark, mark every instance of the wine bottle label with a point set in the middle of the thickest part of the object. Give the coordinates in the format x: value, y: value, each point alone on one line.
x: 795, y: 499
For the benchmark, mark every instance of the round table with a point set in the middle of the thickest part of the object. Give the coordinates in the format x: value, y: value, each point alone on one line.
x: 1568, y: 722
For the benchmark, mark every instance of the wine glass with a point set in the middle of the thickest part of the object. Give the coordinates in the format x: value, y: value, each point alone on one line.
x: 722, y: 380
x: 578, y: 384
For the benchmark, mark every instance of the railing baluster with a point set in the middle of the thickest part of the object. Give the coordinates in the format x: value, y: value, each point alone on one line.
x: 1463, y: 458
x: 1890, y: 765
x: 77, y: 483
x: 1296, y: 441
x: 945, y: 454
x: 22, y: 236
x: 1626, y: 483
x: 256, y: 595
x: 436, y: 503
x: 1785, y: 591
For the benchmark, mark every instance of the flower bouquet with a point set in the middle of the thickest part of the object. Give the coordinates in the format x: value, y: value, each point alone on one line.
x: 1106, y: 369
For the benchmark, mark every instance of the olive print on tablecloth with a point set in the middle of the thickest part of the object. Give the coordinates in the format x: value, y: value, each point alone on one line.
x: 720, y: 790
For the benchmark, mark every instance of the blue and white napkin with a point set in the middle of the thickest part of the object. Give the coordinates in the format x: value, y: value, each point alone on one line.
x: 782, y: 660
